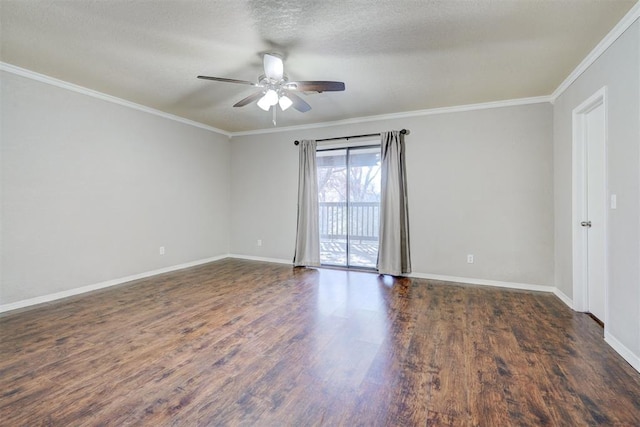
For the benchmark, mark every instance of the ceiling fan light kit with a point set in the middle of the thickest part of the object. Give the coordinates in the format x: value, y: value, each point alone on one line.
x: 276, y: 89
x: 285, y: 102
x: 269, y: 99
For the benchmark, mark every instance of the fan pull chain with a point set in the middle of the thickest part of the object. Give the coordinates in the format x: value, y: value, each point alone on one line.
x: 274, y: 114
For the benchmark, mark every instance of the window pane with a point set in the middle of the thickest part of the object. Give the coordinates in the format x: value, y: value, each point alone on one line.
x: 349, y: 203
x: 332, y: 197
x: 364, y: 206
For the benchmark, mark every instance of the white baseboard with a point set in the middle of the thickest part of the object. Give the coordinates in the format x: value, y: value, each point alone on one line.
x: 622, y: 350
x: 76, y: 291
x: 426, y: 276
x: 563, y: 297
x: 467, y: 280
x: 627, y: 354
x: 484, y: 282
x: 258, y: 258
x: 511, y: 285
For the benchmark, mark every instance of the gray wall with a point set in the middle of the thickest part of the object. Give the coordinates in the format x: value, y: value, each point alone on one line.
x: 91, y: 189
x: 619, y: 70
x: 480, y: 182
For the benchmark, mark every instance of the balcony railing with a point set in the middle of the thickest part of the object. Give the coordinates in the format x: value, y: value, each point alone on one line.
x: 363, y: 221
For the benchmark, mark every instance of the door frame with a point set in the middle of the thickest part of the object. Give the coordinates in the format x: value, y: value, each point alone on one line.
x: 348, y: 147
x: 579, y: 205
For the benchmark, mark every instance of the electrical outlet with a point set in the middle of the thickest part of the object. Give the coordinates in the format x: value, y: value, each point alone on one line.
x: 161, y: 250
x: 259, y: 242
x: 470, y: 259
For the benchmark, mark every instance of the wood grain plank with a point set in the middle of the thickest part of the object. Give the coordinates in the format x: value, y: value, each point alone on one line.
x: 238, y: 342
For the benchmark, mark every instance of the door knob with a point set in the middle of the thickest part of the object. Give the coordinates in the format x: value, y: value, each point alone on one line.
x: 586, y: 223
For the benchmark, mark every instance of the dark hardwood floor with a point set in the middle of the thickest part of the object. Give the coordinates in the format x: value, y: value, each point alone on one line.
x: 248, y: 343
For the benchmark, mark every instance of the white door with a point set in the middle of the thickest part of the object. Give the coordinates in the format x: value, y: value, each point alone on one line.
x: 596, y: 205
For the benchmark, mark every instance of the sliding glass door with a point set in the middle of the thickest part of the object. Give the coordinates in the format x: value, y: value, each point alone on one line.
x: 349, y: 203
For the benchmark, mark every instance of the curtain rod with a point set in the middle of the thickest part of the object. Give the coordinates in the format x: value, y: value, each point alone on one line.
x: 403, y: 132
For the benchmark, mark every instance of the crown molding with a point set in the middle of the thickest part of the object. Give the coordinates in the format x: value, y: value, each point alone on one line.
x: 630, y: 17
x: 626, y: 21
x: 104, y: 97
x: 23, y: 72
x: 403, y: 115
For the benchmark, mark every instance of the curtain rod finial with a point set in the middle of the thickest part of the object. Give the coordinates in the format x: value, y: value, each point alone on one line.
x: 296, y: 142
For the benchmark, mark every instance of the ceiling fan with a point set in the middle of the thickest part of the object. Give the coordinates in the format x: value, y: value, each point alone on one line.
x: 276, y: 89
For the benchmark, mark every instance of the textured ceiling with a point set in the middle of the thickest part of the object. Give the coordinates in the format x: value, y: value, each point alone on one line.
x: 393, y: 55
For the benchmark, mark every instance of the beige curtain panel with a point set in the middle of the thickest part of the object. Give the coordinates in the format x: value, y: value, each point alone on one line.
x: 393, y: 252
x: 308, y: 233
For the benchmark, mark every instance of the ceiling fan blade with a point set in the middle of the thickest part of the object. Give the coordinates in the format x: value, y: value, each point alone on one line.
x: 249, y: 99
x: 315, y: 86
x: 273, y: 67
x: 298, y: 103
x: 222, y: 79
